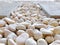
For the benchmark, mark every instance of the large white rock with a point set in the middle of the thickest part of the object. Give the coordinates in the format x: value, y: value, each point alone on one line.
x: 11, y: 42
x: 30, y: 41
x: 20, y: 40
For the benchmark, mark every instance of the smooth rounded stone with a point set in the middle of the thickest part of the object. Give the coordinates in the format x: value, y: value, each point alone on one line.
x: 31, y: 27
x: 11, y: 42
x: 12, y: 27
x: 25, y: 23
x: 41, y: 42
x: 37, y: 34
x: 46, y: 31
x: 56, y: 42
x: 19, y: 15
x: 48, y: 19
x: 3, y: 40
x: 30, y: 32
x: 56, y: 30
x: 12, y: 36
x: 21, y: 27
x: 40, y: 25
x: 45, y: 21
x: 49, y: 39
x: 19, y: 32
x: 53, y: 23
x: 15, y: 19
x: 51, y: 28
x: 2, y: 23
x: 28, y: 21
x: 20, y: 40
x: 6, y: 32
x: 8, y: 20
x: 20, y: 20
x: 57, y: 37
x: 30, y: 41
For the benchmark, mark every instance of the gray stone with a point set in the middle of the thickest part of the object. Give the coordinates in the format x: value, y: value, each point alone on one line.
x: 6, y: 7
x: 52, y: 9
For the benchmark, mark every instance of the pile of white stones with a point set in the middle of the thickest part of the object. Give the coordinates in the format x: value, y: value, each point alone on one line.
x: 26, y: 26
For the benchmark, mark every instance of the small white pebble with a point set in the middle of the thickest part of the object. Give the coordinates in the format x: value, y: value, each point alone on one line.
x: 37, y: 34
x: 9, y: 21
x: 41, y: 42
x: 12, y: 27
x: 2, y: 23
x: 30, y: 41
x: 19, y: 32
x: 21, y: 27
x: 11, y: 42
x: 49, y: 39
x: 12, y: 36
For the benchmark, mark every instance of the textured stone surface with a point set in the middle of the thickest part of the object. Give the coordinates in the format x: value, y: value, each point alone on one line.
x: 51, y: 8
x: 6, y: 7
